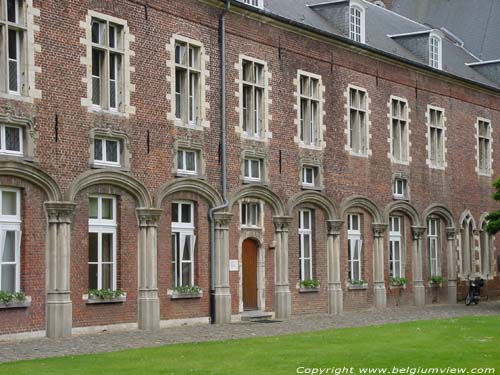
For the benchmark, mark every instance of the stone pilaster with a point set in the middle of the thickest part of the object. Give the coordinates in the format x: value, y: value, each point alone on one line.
x: 379, y: 290
x: 59, y: 307
x: 418, y: 280
x: 148, y: 302
x: 452, y: 265
x: 222, y: 293
x: 335, y: 297
x: 283, y: 303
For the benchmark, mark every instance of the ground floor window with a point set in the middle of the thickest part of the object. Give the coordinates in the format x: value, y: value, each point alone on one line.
x: 183, y: 244
x: 354, y: 246
x: 10, y: 240
x: 395, y: 247
x: 305, y: 237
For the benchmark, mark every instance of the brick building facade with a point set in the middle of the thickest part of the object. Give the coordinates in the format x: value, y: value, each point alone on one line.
x: 111, y: 167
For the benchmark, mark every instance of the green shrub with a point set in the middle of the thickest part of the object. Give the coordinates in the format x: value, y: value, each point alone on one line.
x: 399, y: 281
x: 106, y: 293
x: 309, y: 283
x: 436, y: 279
x: 187, y: 289
x: 357, y: 282
x: 7, y: 297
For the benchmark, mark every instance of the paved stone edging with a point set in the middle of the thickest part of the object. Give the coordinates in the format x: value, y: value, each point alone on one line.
x: 115, y: 341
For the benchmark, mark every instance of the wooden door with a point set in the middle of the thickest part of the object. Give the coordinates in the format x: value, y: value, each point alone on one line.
x: 249, y: 260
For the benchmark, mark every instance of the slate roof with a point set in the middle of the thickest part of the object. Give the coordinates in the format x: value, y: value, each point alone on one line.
x: 380, y: 23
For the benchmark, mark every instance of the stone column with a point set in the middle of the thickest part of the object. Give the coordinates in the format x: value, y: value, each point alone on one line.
x: 222, y: 293
x: 283, y: 303
x: 148, y: 302
x: 379, y: 291
x: 335, y: 298
x: 59, y: 307
x: 417, y: 269
x: 452, y: 266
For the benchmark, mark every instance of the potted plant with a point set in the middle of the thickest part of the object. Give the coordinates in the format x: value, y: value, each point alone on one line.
x: 106, y: 296
x: 186, y: 291
x: 436, y: 282
x: 309, y: 285
x: 357, y: 284
x: 399, y: 281
x: 13, y: 300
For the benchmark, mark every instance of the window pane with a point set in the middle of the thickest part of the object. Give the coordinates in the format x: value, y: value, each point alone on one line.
x: 307, y: 269
x: 98, y: 149
x: 244, y: 208
x: 12, y: 139
x: 96, y: 80
x: 112, y: 38
x: 9, y: 250
x: 95, y: 32
x: 255, y: 168
x: 93, y: 238
x: 180, y: 160
x: 9, y: 203
x: 107, y: 247
x: 175, y: 212
x: 191, y: 161
x: 93, y: 276
x: 107, y: 209
x: 8, y: 278
x: 247, y: 168
x: 186, y: 274
x: 306, y: 221
x: 107, y: 276
x: 180, y: 54
x: 187, y: 249
x: 186, y: 213
x: 307, y: 246
x: 180, y: 77
x: 112, y: 151
x: 11, y: 11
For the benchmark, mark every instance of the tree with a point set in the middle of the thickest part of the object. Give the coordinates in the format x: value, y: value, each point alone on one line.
x: 493, y: 218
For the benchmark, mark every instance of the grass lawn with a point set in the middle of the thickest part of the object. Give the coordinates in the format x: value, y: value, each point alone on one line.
x: 465, y: 342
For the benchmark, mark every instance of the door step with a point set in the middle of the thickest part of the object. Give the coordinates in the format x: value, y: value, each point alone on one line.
x: 255, y: 316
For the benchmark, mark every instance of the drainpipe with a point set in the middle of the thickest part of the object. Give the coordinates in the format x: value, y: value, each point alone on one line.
x: 222, y: 47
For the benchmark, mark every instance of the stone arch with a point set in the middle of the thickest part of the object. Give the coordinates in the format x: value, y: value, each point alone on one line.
x: 364, y: 203
x: 107, y: 177
x: 406, y: 208
x: 316, y: 198
x: 467, y: 243
x: 258, y: 192
x: 441, y: 211
x: 467, y: 216
x: 34, y: 175
x: 192, y: 185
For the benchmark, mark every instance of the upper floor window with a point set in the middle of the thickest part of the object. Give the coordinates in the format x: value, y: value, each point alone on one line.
x: 253, y: 98
x: 309, y: 110
x: 183, y: 243
x: 10, y: 240
x: 436, y: 137
x: 107, y: 65
x: 356, y: 24
x: 305, y: 238
x: 11, y: 140
x: 254, y: 3
x: 186, y: 162
x: 253, y: 169
x: 484, y: 146
x: 251, y: 215
x: 395, y: 247
x: 107, y: 152
x: 102, y: 242
x: 433, y: 246
x: 354, y: 245
x: 187, y: 82
x: 399, y: 130
x: 435, y: 54
x: 400, y: 188
x: 358, y: 129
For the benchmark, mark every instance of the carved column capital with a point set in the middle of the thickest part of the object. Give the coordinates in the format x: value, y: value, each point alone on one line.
x: 417, y: 232
x: 282, y: 223
x: 451, y: 233
x: 334, y: 227
x: 379, y: 229
x: 60, y: 212
x: 148, y: 217
x: 222, y: 219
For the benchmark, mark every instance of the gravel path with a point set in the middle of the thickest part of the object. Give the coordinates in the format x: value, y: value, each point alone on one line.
x: 114, y: 341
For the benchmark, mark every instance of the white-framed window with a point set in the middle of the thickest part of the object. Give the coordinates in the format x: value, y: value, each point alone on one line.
x: 309, y: 176
x: 183, y: 243
x: 306, y: 245
x: 435, y: 51
x: 253, y: 98
x: 187, y: 162
x: 251, y: 215
x: 354, y: 246
x: 399, y: 130
x: 309, y: 91
x: 436, y: 137
x: 10, y: 240
x: 187, y: 82
x: 254, y: 3
x: 11, y: 140
x: 253, y: 169
x: 395, y: 246
x: 107, y: 64
x: 357, y: 24
x: 399, y: 188
x: 102, y: 242
x: 433, y: 244
x: 358, y: 129
x: 484, y: 146
x: 107, y: 151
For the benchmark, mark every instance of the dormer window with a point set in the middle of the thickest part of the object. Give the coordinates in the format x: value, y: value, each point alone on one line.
x: 435, y: 54
x: 356, y: 24
x: 254, y: 3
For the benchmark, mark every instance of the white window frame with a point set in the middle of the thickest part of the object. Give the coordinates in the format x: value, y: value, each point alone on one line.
x: 11, y: 223
x: 248, y: 167
x: 245, y: 217
x: 433, y: 241
x: 354, y: 238
x: 102, y: 226
x: 104, y: 141
x: 313, y: 170
x: 305, y: 231
x: 256, y: 127
x: 182, y: 157
x: 254, y: 3
x: 310, y: 96
x: 395, y: 237
x: 3, y: 142
x: 435, y: 51
x: 401, y: 120
x: 357, y: 21
x: 398, y: 183
x: 439, y: 160
x: 184, y: 231
x: 485, y: 141
x: 364, y: 134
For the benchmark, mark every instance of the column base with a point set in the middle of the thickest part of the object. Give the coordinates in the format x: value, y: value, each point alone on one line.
x: 59, y: 314
x: 283, y: 302
x: 148, y: 310
x: 222, y: 301
x: 419, y: 294
x: 335, y: 300
x: 380, y: 295
x: 452, y: 292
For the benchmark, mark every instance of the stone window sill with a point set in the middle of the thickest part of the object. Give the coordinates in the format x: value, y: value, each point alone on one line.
x: 189, y: 175
x: 308, y: 187
x: 357, y: 287
x: 176, y: 295
x: 98, y: 301
x: 308, y: 290
x: 397, y: 286
x: 16, y: 304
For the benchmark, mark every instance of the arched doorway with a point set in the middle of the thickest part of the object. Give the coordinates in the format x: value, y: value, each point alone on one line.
x: 249, y: 265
